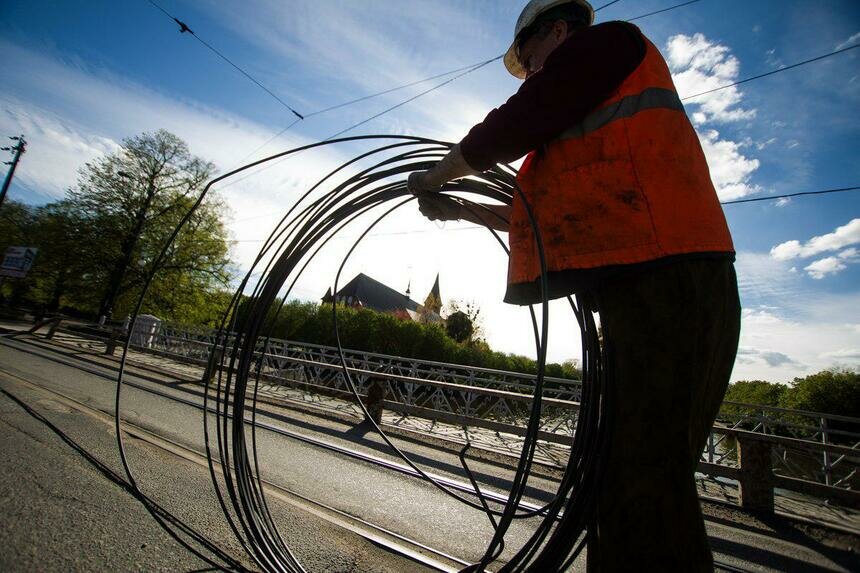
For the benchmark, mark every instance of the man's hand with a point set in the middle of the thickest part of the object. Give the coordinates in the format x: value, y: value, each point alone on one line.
x: 437, y: 207
x: 419, y: 183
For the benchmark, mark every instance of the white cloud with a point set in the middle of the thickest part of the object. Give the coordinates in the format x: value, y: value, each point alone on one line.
x: 749, y: 355
x: 852, y: 354
x: 698, y: 65
x: 731, y: 170
x: 773, y: 60
x: 849, y: 254
x: 849, y: 42
x: 843, y: 236
x: 777, y: 348
x: 56, y: 148
x: 832, y: 265
x: 823, y: 267
x: 783, y: 201
x: 359, y: 47
x: 761, y: 145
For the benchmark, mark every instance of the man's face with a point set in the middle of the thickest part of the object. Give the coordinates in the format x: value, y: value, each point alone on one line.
x: 535, y: 50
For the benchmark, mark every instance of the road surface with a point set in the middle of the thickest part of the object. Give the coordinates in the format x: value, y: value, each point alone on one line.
x: 336, y: 492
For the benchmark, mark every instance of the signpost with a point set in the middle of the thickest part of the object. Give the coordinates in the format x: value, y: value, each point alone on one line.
x: 17, y: 261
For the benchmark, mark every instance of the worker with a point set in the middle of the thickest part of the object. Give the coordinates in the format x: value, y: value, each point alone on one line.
x: 630, y: 223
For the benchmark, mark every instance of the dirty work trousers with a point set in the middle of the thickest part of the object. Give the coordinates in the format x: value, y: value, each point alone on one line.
x: 671, y: 333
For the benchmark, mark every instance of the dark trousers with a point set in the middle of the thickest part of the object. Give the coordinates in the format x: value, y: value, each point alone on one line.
x: 671, y: 334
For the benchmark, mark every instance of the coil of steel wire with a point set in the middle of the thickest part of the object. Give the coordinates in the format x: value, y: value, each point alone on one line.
x: 372, y: 186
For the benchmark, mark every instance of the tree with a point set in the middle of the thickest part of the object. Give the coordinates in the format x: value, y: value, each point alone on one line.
x: 134, y: 199
x: 60, y: 269
x: 755, y: 392
x: 759, y: 392
x: 472, y: 312
x: 16, y: 229
x: 458, y: 326
x: 835, y: 391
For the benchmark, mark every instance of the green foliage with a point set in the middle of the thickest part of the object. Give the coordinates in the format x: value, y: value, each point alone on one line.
x: 835, y: 391
x: 370, y: 331
x: 755, y: 392
x: 16, y: 230
x: 97, y: 246
x: 458, y: 326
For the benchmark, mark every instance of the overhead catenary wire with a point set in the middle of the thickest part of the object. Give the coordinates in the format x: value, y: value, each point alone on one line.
x: 183, y: 28
x: 676, y: 6
x: 772, y: 72
x: 607, y: 5
x: 300, y: 117
x: 375, y: 116
x: 471, y: 67
x: 468, y: 70
x: 790, y: 195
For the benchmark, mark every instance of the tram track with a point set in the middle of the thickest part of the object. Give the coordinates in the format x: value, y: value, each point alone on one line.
x: 399, y: 544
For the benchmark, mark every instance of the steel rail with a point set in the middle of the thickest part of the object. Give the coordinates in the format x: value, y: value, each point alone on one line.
x: 391, y: 540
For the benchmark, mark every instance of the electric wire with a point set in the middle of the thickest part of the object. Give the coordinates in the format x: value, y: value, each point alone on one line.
x: 183, y: 27
x: 790, y: 195
x: 772, y: 72
x: 375, y: 116
x: 466, y: 70
x: 366, y: 98
x: 246, y: 328
x: 607, y: 5
x: 663, y: 10
x: 240, y: 352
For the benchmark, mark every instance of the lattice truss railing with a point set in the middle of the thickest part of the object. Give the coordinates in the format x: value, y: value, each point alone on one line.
x: 500, y: 401
x: 804, y: 463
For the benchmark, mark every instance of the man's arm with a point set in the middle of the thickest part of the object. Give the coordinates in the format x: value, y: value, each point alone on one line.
x: 425, y: 184
x: 451, y: 167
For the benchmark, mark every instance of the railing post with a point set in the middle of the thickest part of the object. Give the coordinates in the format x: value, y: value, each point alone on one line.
x: 54, y: 326
x: 213, y: 366
x: 756, y: 474
x: 374, y: 401
x: 110, y: 345
x: 825, y: 439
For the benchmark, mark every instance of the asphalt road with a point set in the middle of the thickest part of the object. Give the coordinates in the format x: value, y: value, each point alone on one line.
x: 59, y: 513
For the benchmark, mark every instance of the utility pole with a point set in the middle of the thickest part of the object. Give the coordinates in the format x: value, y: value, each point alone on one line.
x: 19, y: 149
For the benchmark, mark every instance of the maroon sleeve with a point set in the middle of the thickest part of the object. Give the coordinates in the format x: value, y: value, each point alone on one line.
x: 580, y: 74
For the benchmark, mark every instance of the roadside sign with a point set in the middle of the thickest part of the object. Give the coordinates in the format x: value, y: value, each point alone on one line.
x: 17, y: 261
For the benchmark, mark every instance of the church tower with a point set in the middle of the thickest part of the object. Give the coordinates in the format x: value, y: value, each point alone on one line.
x: 433, y: 302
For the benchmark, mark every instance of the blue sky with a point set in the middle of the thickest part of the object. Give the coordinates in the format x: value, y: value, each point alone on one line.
x: 79, y: 76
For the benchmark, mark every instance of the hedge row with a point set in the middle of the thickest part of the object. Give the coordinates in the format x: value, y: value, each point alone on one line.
x: 370, y: 331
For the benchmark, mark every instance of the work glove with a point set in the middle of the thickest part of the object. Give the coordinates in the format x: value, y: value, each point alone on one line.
x: 438, y: 207
x: 417, y: 184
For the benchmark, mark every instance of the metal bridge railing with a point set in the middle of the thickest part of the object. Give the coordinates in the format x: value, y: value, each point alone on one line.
x: 810, y: 449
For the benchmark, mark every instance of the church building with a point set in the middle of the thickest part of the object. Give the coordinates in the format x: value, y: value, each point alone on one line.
x: 366, y: 292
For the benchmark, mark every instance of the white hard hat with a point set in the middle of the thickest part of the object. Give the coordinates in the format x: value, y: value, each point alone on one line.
x: 528, y: 16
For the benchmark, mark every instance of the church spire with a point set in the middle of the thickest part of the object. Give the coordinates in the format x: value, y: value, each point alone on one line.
x: 434, y: 299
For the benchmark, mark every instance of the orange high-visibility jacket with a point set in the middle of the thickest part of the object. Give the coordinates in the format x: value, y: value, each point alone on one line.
x: 627, y: 185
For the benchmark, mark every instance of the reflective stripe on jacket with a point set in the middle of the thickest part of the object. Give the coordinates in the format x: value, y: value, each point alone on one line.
x: 627, y: 185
